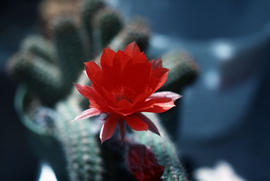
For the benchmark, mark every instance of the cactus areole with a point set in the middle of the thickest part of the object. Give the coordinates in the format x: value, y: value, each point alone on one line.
x: 122, y: 88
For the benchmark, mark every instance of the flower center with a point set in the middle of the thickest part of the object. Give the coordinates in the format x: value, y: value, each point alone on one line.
x: 120, y: 97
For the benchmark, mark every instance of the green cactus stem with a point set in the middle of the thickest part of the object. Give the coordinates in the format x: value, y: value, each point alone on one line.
x: 79, y: 143
x: 107, y: 23
x: 39, y: 46
x: 88, y: 10
x: 69, y: 49
x: 38, y: 73
x: 137, y: 30
x: 183, y: 70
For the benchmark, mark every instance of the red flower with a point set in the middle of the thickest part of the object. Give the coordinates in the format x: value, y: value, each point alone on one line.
x: 123, y: 87
x: 142, y: 163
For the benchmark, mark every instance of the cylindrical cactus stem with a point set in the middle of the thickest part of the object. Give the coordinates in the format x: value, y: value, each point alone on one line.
x: 52, y: 9
x: 183, y: 70
x: 42, y: 77
x: 17, y: 65
x: 38, y: 46
x: 164, y: 151
x: 69, y: 49
x: 107, y: 24
x: 138, y: 30
x: 88, y: 10
x: 79, y: 143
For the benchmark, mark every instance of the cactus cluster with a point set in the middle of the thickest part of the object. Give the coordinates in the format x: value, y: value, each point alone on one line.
x: 48, y: 67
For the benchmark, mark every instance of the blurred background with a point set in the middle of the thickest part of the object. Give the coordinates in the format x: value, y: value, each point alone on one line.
x: 224, y: 120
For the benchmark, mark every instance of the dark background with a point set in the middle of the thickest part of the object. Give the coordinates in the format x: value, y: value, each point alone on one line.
x: 17, y: 162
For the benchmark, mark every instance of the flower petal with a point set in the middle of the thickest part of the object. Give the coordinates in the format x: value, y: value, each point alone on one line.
x: 136, y: 123
x: 112, y: 76
x: 136, y: 75
x: 159, y: 74
x: 160, y: 107
x: 151, y: 126
x: 94, y: 98
x: 160, y: 102
x: 157, y: 63
x: 167, y: 94
x: 107, y: 57
x: 140, y: 58
x: 108, y: 128
x: 88, y: 113
x: 132, y: 49
x: 84, y: 90
x: 93, y: 71
x: 120, y: 61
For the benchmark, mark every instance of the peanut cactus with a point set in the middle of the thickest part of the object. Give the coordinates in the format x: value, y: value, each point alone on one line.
x: 48, y: 68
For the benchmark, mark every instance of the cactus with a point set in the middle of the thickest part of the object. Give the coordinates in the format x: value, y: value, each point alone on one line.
x: 136, y: 30
x: 89, y: 8
x: 79, y: 144
x: 59, y: 60
x: 39, y: 46
x: 52, y: 9
x: 34, y: 69
x: 183, y: 72
x: 48, y: 68
x: 107, y: 24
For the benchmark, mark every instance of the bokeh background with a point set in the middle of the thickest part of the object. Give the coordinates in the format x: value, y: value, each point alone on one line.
x: 225, y: 114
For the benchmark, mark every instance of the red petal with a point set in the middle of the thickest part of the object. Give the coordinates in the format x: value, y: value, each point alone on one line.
x: 160, y: 107
x: 132, y: 49
x: 108, y: 128
x: 88, y: 113
x: 151, y: 126
x: 89, y: 93
x: 112, y: 76
x: 159, y: 74
x: 136, y: 76
x: 124, y: 104
x: 136, y: 123
x: 140, y: 58
x: 157, y: 63
x: 83, y: 90
x: 107, y: 57
x: 160, y: 102
x: 93, y: 71
x: 167, y: 94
